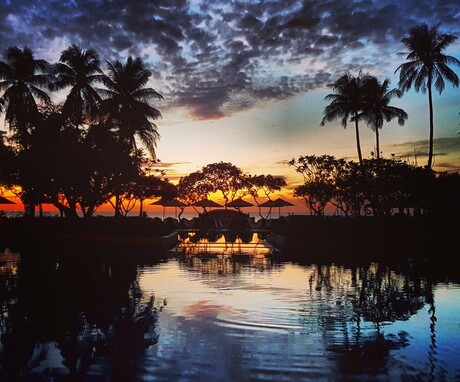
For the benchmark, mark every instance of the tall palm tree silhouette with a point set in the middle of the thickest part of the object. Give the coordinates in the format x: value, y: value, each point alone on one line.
x: 376, y: 108
x: 427, y: 66
x: 346, y: 102
x: 22, y: 78
x: 126, y: 103
x: 79, y: 69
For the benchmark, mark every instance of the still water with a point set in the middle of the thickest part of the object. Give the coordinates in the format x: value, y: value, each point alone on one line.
x: 101, y: 314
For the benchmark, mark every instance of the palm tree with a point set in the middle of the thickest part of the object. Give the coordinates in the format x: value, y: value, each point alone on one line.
x: 21, y: 79
x: 346, y: 102
x: 79, y: 69
x: 376, y: 106
x: 126, y: 103
x: 427, y: 66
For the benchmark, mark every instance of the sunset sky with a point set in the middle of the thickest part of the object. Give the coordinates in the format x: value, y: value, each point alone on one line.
x: 244, y: 81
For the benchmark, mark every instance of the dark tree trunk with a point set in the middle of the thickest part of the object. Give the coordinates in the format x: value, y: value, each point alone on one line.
x: 430, y: 104
x: 141, y: 209
x: 71, y: 211
x: 29, y: 210
x: 377, y: 142
x: 358, y: 142
x: 118, y: 213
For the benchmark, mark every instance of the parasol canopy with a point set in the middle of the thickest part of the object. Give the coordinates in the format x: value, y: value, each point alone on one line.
x: 4, y: 200
x: 168, y: 203
x: 276, y: 203
x: 239, y: 203
x: 205, y: 203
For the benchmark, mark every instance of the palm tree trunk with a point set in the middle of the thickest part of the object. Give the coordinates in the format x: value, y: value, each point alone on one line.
x: 377, y: 143
x: 358, y: 143
x: 430, y: 103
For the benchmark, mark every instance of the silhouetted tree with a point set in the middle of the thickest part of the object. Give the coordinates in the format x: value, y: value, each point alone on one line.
x: 60, y: 176
x: 125, y: 102
x: 127, y: 172
x: 315, y: 195
x: 103, y: 163
x: 148, y: 186
x: 376, y: 106
x: 79, y: 70
x: 193, y: 188
x: 141, y: 187
x: 318, y: 173
x: 445, y: 200
x: 8, y: 164
x: 346, y: 102
x: 22, y: 78
x: 349, y: 197
x: 223, y: 177
x: 427, y: 66
x: 385, y: 185
x: 267, y: 184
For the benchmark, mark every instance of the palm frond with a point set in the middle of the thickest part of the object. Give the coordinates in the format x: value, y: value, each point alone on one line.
x: 146, y: 94
x: 126, y: 102
x: 40, y: 94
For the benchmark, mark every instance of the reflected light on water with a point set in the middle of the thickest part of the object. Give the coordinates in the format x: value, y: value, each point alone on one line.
x: 224, y: 243
x: 298, y: 321
x: 213, y: 316
x: 9, y: 262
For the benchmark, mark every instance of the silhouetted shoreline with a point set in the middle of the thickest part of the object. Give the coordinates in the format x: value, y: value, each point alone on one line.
x: 299, y: 235
x: 372, y: 238
x: 109, y: 231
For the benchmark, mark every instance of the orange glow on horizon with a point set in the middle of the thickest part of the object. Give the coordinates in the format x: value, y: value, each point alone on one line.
x: 106, y: 208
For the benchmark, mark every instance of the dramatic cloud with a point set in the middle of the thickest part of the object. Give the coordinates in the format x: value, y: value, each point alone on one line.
x: 446, y: 152
x: 216, y: 58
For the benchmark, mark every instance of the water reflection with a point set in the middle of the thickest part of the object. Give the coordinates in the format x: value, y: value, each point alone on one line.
x: 68, y: 314
x: 372, y: 294
x: 224, y: 252
x: 338, y: 311
x: 228, y: 242
x: 225, y: 264
x: 87, y: 314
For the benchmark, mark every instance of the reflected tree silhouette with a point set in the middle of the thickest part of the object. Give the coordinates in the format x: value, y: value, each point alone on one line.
x: 370, y: 355
x: 366, y: 293
x: 88, y: 306
x: 432, y: 347
x: 386, y: 296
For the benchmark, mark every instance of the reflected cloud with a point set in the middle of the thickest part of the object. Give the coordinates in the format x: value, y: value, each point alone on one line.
x: 316, y: 321
x: 205, y: 311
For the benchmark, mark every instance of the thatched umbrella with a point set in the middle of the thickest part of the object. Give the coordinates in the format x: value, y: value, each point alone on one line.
x: 276, y: 203
x: 239, y: 203
x: 206, y: 203
x: 169, y: 203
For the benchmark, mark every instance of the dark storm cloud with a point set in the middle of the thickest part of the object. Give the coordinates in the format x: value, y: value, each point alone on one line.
x: 218, y: 57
